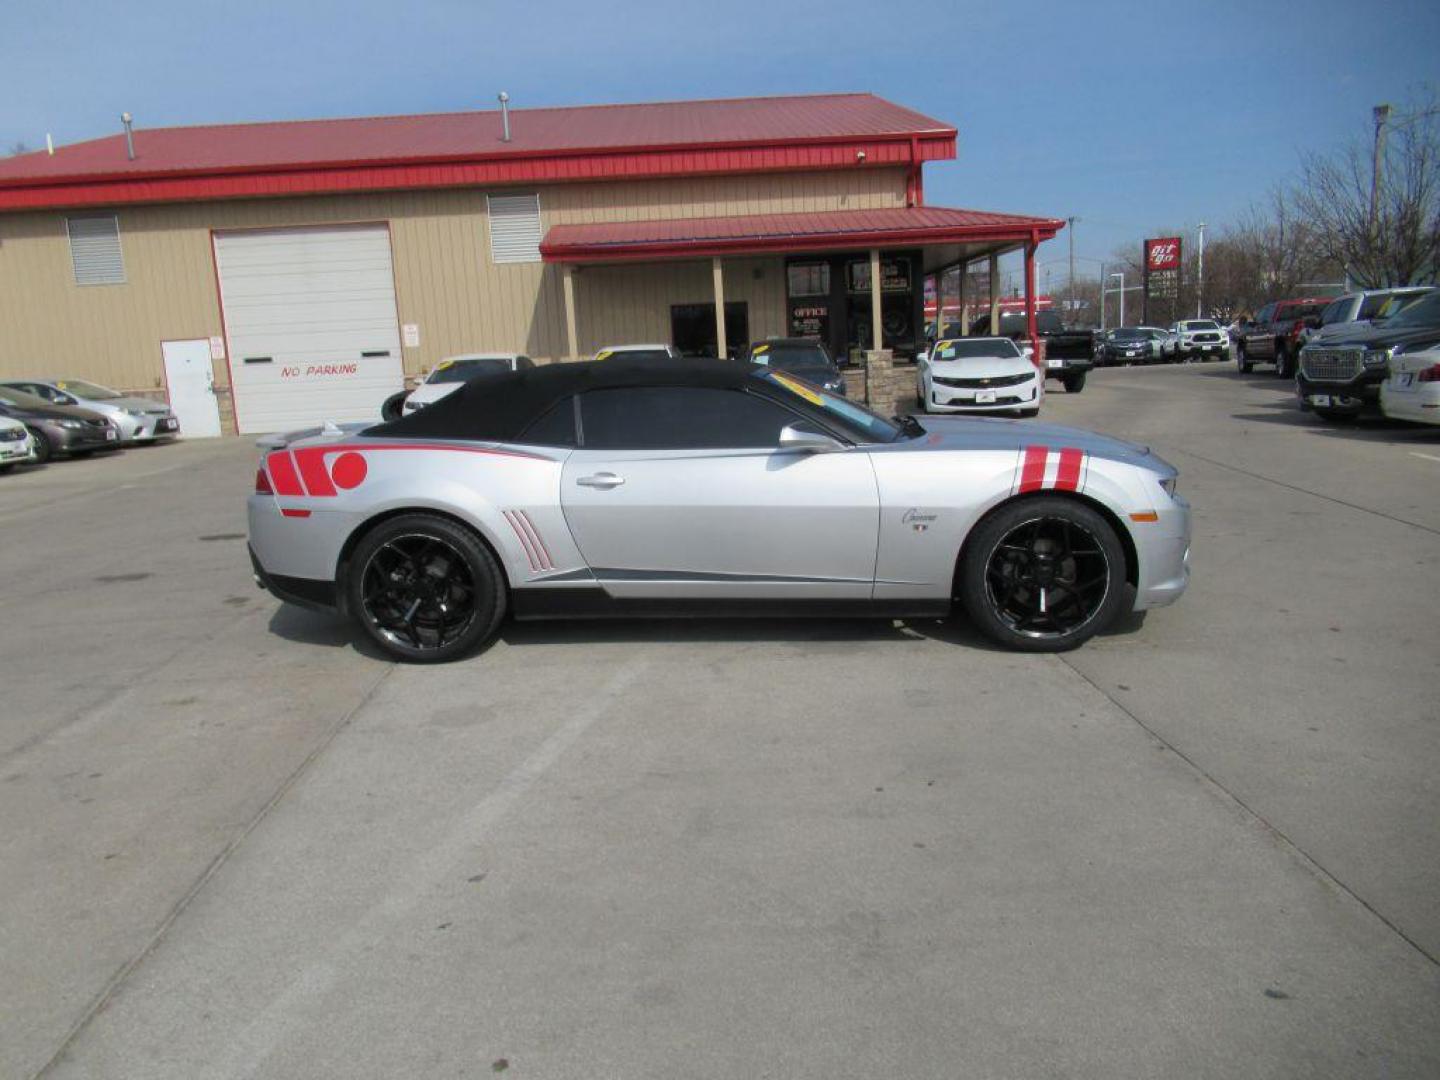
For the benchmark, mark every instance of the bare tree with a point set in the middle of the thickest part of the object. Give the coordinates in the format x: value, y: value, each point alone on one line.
x: 1400, y: 243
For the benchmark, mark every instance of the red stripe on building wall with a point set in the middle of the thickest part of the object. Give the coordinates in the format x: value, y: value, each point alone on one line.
x: 1032, y: 472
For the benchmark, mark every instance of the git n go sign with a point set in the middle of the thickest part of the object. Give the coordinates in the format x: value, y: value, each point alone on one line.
x: 1162, y: 253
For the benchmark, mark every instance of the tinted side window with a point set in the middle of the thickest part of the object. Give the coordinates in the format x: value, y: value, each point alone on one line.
x: 1266, y: 314
x: 555, y: 428
x: 680, y: 418
x: 1371, y: 305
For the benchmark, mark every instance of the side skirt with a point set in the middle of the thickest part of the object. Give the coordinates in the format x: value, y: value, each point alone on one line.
x: 595, y: 603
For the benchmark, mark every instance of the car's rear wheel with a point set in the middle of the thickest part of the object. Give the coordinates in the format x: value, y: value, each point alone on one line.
x: 43, y: 450
x: 1282, y: 362
x: 394, y: 406
x: 1043, y: 575
x: 1075, y: 383
x: 425, y: 589
x: 1242, y: 359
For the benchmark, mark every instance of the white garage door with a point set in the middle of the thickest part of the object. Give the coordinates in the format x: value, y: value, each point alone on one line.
x: 310, y: 323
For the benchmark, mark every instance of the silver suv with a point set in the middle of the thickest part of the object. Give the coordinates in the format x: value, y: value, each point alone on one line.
x: 1344, y: 311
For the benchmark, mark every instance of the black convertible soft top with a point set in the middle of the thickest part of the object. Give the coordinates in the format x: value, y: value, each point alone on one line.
x: 498, y: 408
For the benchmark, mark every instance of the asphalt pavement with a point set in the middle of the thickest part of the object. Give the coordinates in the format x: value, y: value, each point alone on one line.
x: 238, y: 845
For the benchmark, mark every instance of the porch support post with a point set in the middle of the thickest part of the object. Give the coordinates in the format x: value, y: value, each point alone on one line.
x: 572, y: 343
x: 1030, y: 330
x: 965, y: 299
x: 719, y: 275
x: 994, y: 294
x: 876, y: 338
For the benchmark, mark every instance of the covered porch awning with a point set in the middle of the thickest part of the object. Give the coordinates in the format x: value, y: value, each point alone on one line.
x: 945, y: 237
x: 948, y: 235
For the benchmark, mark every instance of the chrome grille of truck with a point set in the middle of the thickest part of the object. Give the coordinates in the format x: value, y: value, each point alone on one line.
x: 1331, y: 365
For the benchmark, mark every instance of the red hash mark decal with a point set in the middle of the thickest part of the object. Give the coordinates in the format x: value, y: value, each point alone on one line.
x: 1042, y: 469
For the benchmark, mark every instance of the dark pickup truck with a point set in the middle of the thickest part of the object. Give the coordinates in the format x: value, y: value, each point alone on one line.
x: 1069, y: 353
x: 1274, y: 336
x: 1340, y: 378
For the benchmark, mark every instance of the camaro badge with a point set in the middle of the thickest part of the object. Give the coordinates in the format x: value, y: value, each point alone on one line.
x: 917, y: 520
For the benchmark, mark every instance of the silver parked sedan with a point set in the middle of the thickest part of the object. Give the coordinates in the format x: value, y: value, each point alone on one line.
x: 637, y: 487
x: 137, y: 419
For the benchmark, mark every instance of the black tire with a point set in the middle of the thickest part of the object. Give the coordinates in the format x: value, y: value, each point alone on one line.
x: 1075, y: 383
x: 1282, y: 362
x: 1052, y: 539
x: 6, y: 467
x: 393, y: 408
x: 404, y: 572
x: 43, y: 450
x: 1337, y: 416
x: 1242, y: 359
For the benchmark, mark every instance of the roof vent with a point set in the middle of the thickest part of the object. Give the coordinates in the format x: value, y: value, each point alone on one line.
x: 128, y: 120
x: 504, y: 116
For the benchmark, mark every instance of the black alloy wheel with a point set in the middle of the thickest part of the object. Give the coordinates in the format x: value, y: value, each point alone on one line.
x: 1043, y: 574
x: 425, y: 588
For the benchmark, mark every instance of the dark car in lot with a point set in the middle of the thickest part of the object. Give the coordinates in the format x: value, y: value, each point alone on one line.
x: 1339, y: 378
x: 1069, y: 351
x: 1275, y: 335
x: 1127, y: 345
x: 59, y: 429
x: 804, y: 358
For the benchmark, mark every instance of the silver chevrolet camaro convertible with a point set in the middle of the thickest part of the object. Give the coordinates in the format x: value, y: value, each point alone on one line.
x: 700, y: 488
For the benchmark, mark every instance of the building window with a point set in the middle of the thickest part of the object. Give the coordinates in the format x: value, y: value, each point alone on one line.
x: 514, y: 228
x: 809, y: 279
x: 95, y: 250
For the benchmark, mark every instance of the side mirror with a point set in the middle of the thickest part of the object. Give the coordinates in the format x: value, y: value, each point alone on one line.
x: 799, y: 440
x: 922, y: 356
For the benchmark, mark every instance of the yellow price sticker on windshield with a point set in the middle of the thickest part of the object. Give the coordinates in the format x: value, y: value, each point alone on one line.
x: 443, y: 364
x: 761, y: 349
x: 603, y: 354
x: 797, y: 387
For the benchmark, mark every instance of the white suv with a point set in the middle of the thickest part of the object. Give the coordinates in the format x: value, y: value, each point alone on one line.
x: 1201, y: 337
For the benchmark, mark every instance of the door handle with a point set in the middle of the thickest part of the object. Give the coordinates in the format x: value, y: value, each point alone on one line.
x: 604, y: 481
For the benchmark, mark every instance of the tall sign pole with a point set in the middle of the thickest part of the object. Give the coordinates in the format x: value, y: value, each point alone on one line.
x: 1071, y: 290
x: 1200, y: 276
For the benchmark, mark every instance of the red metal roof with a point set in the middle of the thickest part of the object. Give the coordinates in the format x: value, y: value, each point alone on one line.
x: 585, y: 142
x: 758, y: 233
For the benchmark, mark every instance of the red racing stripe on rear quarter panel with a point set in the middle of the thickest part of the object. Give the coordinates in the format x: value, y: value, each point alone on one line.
x: 282, y: 473
x: 311, y: 460
x: 1067, y: 478
x: 1032, y: 472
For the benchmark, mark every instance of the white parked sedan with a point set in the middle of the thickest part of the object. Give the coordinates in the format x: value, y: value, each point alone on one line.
x: 1412, y: 390
x: 978, y: 375
x: 17, y: 447
x: 452, y: 372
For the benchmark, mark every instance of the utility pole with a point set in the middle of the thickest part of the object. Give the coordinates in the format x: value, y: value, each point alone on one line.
x: 1071, y: 220
x: 1377, y: 166
x: 1103, y: 279
x: 1121, y: 276
x: 1200, y: 276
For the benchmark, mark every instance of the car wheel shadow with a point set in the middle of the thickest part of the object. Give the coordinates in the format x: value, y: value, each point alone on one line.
x: 1377, y: 429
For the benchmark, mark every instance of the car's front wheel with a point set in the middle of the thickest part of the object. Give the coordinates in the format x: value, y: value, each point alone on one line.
x: 425, y: 588
x: 43, y: 450
x: 1043, y: 574
x: 1242, y: 359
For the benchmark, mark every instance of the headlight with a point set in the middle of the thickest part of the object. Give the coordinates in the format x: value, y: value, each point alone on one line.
x: 1377, y: 358
x: 1169, y: 485
x: 71, y: 424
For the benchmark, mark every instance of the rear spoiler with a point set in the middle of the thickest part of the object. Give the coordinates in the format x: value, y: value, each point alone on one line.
x: 280, y: 439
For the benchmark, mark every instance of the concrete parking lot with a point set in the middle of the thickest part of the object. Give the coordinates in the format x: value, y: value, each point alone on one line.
x: 237, y: 845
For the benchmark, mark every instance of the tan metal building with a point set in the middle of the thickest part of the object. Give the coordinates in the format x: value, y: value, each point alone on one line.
x: 280, y: 274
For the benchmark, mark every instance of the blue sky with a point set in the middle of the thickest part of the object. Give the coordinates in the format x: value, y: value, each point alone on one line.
x: 1135, y: 117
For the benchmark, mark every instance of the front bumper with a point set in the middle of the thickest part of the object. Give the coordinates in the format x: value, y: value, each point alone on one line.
x: 68, y: 440
x: 150, y: 427
x: 1360, y: 394
x: 1205, y: 348
x: 1163, y: 548
x: 947, y: 399
x: 17, y: 451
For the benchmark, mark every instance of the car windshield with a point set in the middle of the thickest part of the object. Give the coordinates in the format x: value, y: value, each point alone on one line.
x: 962, y: 349
x: 11, y: 396
x: 860, y: 421
x: 634, y: 354
x: 453, y: 371
x: 1423, y: 312
x: 1200, y: 324
x: 1128, y: 335
x: 87, y: 390
x: 807, y: 361
x: 1399, y: 302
